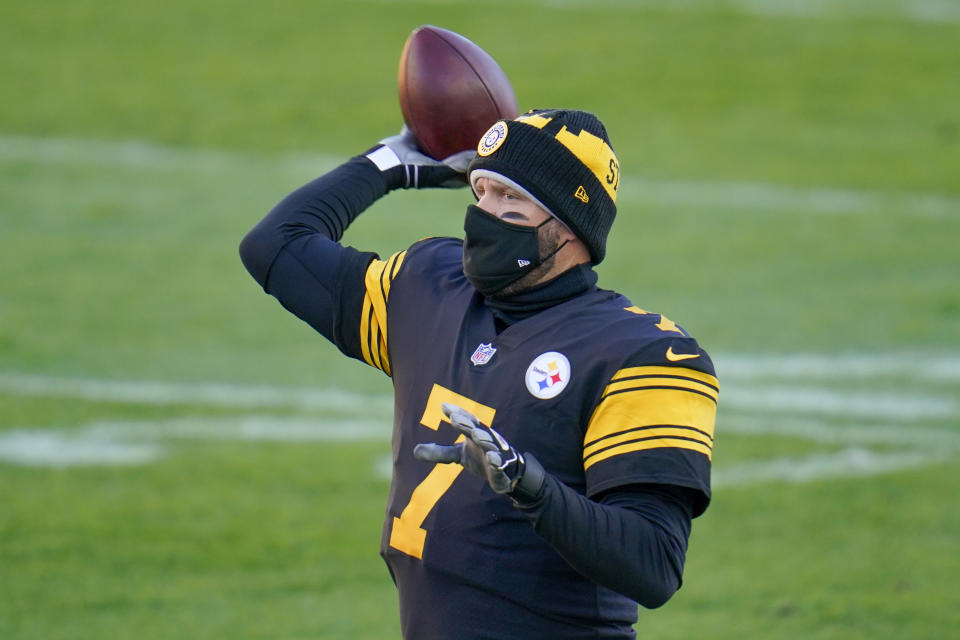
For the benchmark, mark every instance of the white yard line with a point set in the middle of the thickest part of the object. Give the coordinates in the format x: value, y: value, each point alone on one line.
x: 216, y: 394
x: 915, y: 365
x: 897, y: 434
x: 127, y: 442
x: 130, y: 442
x: 735, y: 395
x: 738, y: 394
x: 753, y: 408
x: 51, y: 448
x: 759, y: 196
x: 883, y: 405
x: 133, y: 442
x: 150, y: 156
x: 245, y: 428
x: 922, y: 11
x: 710, y: 194
x: 852, y: 462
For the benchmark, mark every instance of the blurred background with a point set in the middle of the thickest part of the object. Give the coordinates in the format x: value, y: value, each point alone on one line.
x: 181, y: 457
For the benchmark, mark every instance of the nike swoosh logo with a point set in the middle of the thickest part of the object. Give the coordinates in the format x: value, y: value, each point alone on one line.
x: 677, y: 357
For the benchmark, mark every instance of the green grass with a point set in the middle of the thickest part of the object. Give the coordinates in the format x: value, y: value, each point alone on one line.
x: 838, y: 560
x: 139, y: 142
x: 214, y: 541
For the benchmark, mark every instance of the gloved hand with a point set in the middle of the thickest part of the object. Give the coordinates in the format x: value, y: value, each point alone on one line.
x: 405, y: 166
x: 484, y: 452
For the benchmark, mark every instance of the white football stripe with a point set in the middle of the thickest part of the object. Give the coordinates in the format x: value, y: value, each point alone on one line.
x: 710, y: 194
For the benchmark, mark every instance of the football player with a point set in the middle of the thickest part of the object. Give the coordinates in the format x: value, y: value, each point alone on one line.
x: 551, y: 441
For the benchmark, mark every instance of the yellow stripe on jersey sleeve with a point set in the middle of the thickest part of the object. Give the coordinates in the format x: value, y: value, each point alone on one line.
x: 684, y: 372
x: 654, y: 443
x: 373, y: 316
x: 660, y: 381
x: 652, y: 408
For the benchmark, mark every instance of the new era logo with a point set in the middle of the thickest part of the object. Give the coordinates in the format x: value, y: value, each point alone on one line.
x: 522, y: 263
x: 581, y: 195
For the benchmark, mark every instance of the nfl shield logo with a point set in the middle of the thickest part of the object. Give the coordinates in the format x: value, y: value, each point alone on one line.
x: 483, y: 354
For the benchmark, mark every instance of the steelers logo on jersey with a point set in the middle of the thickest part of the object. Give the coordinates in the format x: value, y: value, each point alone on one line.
x: 548, y: 375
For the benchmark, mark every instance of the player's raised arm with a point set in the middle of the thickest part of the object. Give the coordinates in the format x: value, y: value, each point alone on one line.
x: 450, y: 91
x: 294, y: 252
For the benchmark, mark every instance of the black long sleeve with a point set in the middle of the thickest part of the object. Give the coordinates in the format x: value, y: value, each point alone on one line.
x: 294, y: 254
x: 633, y: 540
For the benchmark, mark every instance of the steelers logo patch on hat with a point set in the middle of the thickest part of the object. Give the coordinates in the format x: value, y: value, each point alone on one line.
x: 548, y: 375
x: 492, y: 139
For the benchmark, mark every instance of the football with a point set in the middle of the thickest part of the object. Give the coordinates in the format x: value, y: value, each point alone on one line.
x: 451, y: 91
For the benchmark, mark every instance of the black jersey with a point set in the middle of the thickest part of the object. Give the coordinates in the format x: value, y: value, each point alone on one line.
x: 603, y: 393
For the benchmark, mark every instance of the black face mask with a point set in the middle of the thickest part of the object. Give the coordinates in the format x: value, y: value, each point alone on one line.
x: 498, y: 253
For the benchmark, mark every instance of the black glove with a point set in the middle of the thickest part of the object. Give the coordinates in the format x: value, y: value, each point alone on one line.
x: 484, y: 452
x: 406, y: 167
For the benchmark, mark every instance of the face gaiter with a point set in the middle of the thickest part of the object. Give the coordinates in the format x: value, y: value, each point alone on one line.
x: 498, y: 253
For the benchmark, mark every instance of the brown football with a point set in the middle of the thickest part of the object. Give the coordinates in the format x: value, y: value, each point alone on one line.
x: 451, y: 91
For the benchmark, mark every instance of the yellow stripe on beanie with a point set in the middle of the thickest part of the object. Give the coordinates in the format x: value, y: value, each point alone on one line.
x: 596, y: 155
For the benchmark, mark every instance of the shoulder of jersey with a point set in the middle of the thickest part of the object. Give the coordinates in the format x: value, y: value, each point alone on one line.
x: 435, y: 250
x: 434, y: 259
x: 650, y: 338
x: 622, y: 318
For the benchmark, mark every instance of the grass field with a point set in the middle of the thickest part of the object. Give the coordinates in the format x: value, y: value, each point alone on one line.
x: 179, y: 457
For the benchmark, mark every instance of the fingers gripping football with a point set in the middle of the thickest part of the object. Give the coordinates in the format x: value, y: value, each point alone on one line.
x: 405, y: 166
x: 483, y: 451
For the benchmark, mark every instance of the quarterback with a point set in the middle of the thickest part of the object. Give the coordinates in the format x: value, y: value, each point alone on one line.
x: 552, y: 440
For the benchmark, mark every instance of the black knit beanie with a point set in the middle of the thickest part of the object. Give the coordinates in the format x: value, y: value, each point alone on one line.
x: 564, y: 159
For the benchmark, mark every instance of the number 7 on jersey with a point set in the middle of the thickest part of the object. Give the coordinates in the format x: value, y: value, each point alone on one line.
x: 407, y: 534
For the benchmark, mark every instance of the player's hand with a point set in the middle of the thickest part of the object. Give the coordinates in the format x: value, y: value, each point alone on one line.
x: 409, y: 168
x: 483, y: 452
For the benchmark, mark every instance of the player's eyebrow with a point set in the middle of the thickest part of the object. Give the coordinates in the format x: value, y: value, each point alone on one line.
x: 506, y: 190
x: 489, y: 184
